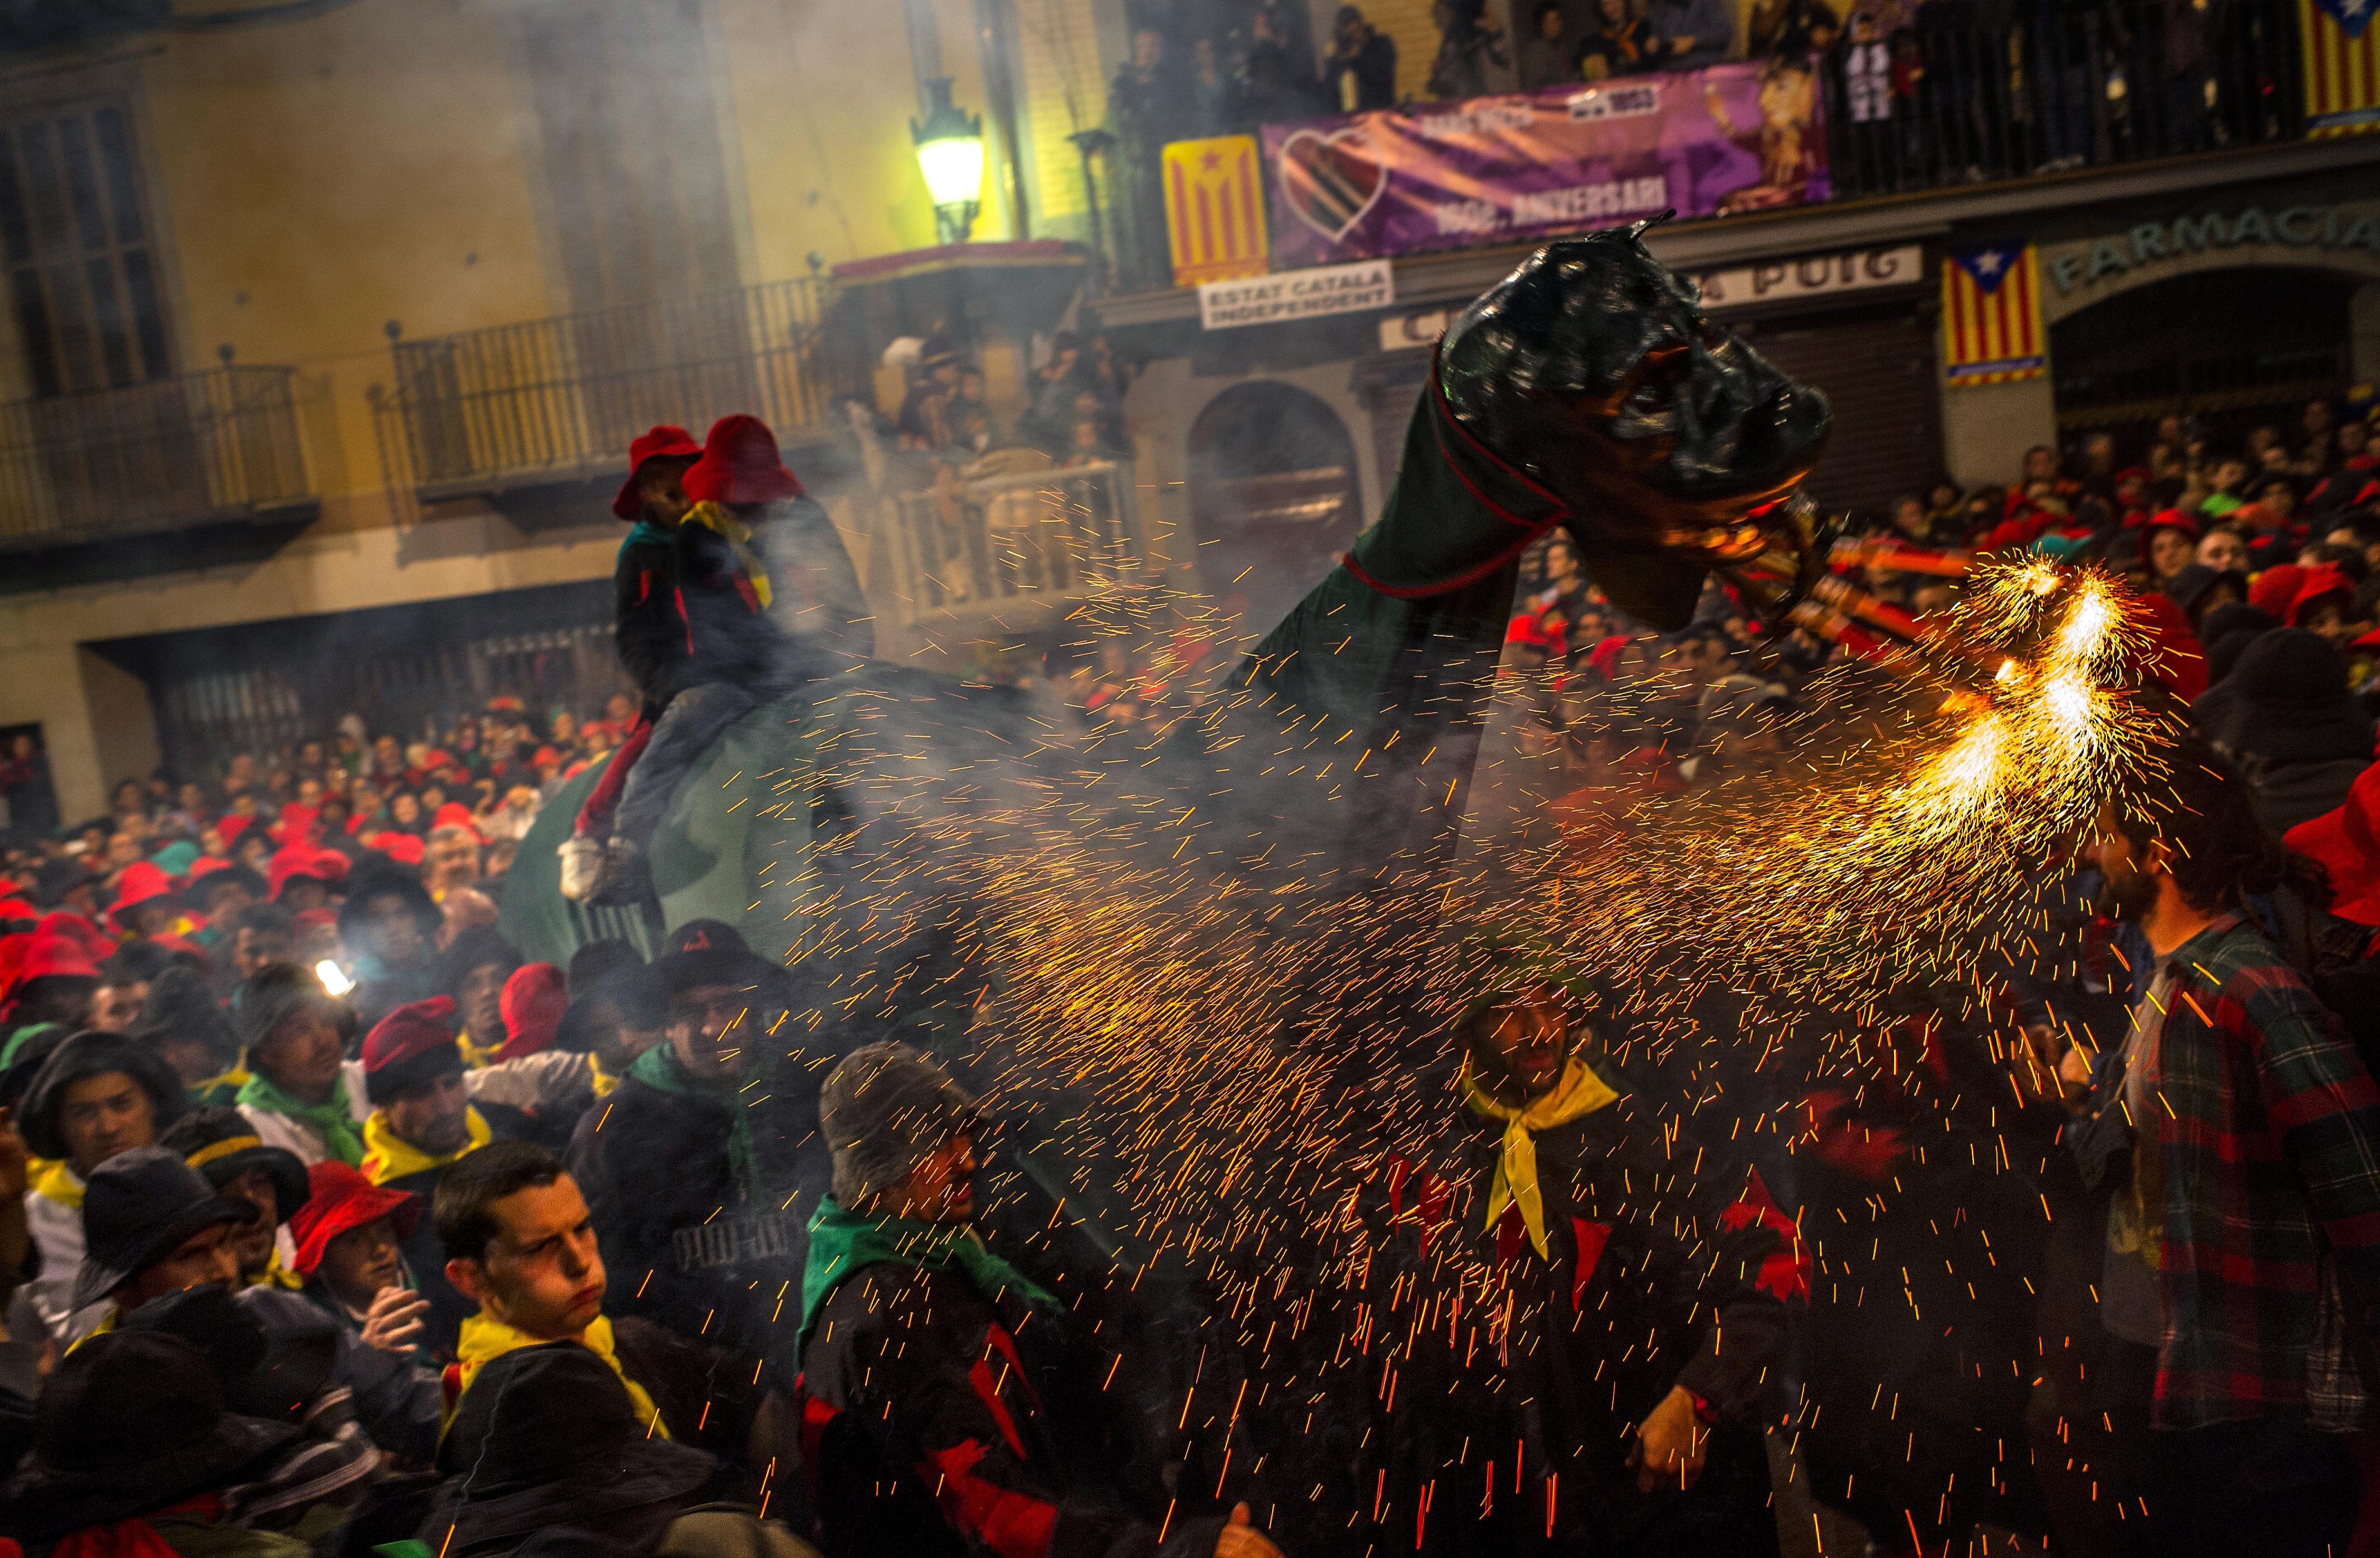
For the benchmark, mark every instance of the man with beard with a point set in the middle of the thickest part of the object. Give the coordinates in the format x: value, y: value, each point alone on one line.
x: 269, y: 1181
x: 2235, y: 1135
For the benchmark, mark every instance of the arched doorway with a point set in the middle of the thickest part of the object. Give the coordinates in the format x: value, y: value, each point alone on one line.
x: 2233, y: 348
x: 1274, y: 494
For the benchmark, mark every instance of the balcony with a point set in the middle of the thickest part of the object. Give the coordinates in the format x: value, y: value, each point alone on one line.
x: 966, y: 547
x: 202, y: 450
x: 2098, y: 85
x: 554, y: 402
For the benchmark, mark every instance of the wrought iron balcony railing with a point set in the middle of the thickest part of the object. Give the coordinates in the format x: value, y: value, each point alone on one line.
x: 149, y: 457
x: 959, y: 546
x: 561, y: 398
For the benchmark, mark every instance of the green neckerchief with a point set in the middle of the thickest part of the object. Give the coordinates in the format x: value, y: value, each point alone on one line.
x: 659, y: 1069
x: 334, y: 1119
x: 644, y: 533
x: 842, y: 1242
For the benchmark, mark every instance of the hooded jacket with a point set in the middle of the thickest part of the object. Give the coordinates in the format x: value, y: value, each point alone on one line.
x: 2285, y: 716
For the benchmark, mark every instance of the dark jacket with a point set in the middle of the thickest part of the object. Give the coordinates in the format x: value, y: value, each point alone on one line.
x: 695, y: 1247
x: 650, y: 627
x: 1374, y: 69
x: 1656, y: 1276
x: 923, y: 1435
x: 729, y: 635
x: 397, y: 1403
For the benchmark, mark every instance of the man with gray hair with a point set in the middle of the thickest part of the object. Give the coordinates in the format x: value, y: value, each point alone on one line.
x: 920, y: 1420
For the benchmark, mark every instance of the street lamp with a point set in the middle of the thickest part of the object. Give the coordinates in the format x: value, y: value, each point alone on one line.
x: 950, y: 153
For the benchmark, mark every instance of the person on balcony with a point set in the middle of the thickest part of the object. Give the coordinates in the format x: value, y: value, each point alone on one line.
x: 1361, y: 73
x: 747, y: 507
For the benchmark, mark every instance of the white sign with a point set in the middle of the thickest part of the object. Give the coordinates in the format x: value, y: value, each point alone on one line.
x: 1727, y: 289
x: 1813, y: 277
x: 1308, y: 294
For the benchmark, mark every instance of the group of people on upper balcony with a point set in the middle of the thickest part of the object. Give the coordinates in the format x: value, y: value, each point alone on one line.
x: 1918, y: 92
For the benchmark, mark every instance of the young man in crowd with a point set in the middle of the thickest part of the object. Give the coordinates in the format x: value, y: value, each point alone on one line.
x: 123, y: 982
x: 98, y: 1096
x: 422, y: 1123
x: 389, y: 925
x: 299, y: 1093
x: 269, y: 1181
x: 471, y: 973
x: 451, y: 856
x: 2236, y: 1133
x: 263, y: 933
x: 925, y: 1429
x: 708, y: 1249
x: 519, y: 1242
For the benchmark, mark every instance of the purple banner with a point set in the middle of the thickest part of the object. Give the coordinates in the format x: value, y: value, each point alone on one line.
x: 1509, y: 169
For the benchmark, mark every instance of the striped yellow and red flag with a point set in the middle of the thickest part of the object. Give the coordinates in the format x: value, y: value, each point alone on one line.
x: 1214, y: 209
x: 2342, y: 65
x: 1991, y: 315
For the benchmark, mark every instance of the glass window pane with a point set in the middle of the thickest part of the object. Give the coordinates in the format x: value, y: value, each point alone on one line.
x: 147, y: 317
x: 115, y: 137
x: 107, y: 313
x: 15, y: 222
x: 49, y: 198
x: 33, y: 329
x: 83, y: 186
x: 78, y: 353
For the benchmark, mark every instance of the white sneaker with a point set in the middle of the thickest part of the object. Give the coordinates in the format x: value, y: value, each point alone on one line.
x: 582, y: 865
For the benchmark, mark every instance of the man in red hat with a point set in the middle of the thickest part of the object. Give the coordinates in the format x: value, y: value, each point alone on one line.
x: 735, y: 656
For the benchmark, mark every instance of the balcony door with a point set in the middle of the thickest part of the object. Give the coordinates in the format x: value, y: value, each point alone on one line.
x: 637, y: 198
x: 106, y: 433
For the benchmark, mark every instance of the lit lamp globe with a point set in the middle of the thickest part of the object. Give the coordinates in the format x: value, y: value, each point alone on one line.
x: 950, y: 153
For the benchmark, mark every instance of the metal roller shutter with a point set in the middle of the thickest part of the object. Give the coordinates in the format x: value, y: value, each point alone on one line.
x: 1877, y: 368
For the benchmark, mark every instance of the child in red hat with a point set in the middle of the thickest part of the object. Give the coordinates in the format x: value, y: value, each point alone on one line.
x: 726, y: 653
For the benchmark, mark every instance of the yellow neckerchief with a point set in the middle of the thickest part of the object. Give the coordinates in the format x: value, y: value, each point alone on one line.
x: 227, y: 1083
x: 389, y: 1156
x: 474, y: 1057
x: 601, y: 1081
x: 101, y: 1329
x: 276, y: 1274
x: 1580, y: 1091
x: 54, y: 1179
x: 738, y: 535
x: 483, y: 1338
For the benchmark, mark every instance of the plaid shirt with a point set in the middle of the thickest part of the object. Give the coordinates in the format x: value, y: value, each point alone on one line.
x: 2268, y: 1124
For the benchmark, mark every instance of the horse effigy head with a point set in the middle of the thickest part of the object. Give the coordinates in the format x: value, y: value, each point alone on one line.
x: 1593, y: 369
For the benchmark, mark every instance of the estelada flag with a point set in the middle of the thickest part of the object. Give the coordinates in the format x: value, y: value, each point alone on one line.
x: 1991, y: 315
x: 1214, y: 210
x: 2342, y: 65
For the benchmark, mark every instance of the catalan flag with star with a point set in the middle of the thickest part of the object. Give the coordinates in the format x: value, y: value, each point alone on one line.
x: 2342, y: 65
x: 1215, y: 210
x: 1991, y: 315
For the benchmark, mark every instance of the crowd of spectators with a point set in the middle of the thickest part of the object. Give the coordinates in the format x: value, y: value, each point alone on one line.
x: 2259, y: 562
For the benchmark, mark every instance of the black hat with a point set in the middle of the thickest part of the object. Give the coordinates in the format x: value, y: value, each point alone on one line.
x: 547, y: 1436
x: 276, y: 993
x: 180, y: 1005
x: 2229, y: 618
x: 707, y: 952
x: 131, y: 1421
x: 59, y: 877
x: 2190, y: 586
x: 95, y: 1054
x: 270, y: 1371
x: 29, y: 1048
x: 222, y: 1145
x: 475, y: 948
x: 886, y: 1109
x: 194, y: 895
x: 136, y: 1210
x: 376, y: 879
